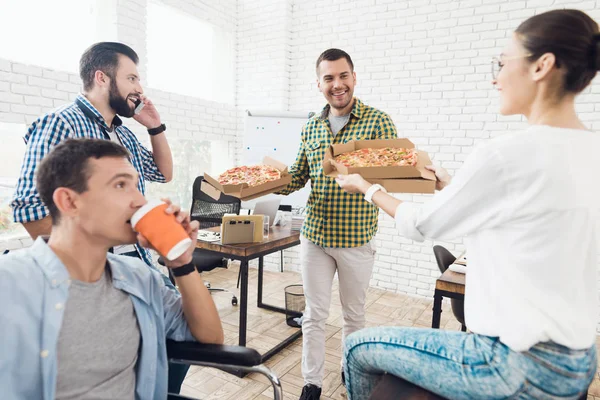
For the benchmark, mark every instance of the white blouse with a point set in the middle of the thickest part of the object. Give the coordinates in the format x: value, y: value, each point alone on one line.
x: 527, y: 204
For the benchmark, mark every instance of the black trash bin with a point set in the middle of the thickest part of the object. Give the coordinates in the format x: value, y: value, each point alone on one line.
x: 294, y: 305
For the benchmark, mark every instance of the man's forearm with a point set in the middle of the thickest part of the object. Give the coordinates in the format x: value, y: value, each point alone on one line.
x: 41, y: 227
x: 162, y: 155
x: 199, y: 309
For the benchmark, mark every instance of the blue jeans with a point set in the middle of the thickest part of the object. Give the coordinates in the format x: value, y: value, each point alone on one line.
x: 459, y: 365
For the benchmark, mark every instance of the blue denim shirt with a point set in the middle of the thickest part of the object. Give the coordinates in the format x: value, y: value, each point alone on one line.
x: 34, y: 287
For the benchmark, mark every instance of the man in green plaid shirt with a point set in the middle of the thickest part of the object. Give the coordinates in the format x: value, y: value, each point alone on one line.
x: 339, y: 227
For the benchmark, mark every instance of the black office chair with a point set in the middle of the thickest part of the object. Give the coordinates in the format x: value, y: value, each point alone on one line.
x: 226, y: 358
x: 209, y: 213
x: 444, y: 259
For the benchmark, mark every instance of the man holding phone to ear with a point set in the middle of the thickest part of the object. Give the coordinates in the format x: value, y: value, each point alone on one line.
x: 111, y: 90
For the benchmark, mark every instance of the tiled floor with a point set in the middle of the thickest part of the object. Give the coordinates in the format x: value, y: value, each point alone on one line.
x: 266, y: 328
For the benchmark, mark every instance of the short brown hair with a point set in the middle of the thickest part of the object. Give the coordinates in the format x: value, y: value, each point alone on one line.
x: 67, y: 165
x: 572, y: 36
x: 103, y: 56
x: 334, y: 55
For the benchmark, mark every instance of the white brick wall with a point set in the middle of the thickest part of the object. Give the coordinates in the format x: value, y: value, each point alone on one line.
x: 426, y: 63
x: 27, y: 91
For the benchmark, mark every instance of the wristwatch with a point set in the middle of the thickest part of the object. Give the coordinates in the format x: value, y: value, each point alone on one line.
x: 184, y: 269
x: 159, y: 129
x: 371, y: 191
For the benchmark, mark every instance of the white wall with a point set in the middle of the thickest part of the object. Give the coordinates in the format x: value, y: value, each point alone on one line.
x: 427, y: 64
x: 424, y: 62
x: 27, y: 91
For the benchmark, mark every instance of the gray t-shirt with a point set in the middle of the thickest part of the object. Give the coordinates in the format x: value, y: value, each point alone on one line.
x: 98, y: 343
x: 338, y: 123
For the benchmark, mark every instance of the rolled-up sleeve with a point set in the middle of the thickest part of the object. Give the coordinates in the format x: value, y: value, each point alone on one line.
x: 43, y: 135
x: 151, y: 171
x: 477, y: 199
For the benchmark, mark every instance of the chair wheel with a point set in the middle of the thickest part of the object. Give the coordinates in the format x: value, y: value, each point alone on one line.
x: 234, y: 301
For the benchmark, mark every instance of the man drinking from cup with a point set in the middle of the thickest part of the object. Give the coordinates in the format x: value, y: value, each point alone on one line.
x: 79, y: 322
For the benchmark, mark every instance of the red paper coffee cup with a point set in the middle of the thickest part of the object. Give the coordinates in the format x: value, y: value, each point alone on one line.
x: 162, y: 230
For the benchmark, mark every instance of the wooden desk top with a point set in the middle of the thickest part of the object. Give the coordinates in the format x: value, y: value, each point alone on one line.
x: 451, y: 281
x: 278, y: 237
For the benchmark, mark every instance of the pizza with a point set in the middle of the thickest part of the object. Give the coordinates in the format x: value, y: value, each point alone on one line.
x: 385, y: 157
x: 252, y: 175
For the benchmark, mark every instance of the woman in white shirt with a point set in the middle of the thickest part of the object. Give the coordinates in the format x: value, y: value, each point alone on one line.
x: 527, y: 205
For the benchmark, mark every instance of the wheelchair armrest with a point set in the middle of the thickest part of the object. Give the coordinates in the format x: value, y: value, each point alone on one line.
x: 213, y: 353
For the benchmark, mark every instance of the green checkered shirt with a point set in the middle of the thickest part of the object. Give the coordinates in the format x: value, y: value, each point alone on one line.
x: 335, y: 218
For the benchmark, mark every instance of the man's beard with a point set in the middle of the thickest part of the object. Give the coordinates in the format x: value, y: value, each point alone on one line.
x: 119, y: 103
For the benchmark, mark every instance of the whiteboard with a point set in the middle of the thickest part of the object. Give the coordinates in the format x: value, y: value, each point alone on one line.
x: 277, y: 135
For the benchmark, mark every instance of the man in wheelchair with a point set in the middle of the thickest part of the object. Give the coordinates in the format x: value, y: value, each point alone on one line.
x: 77, y: 322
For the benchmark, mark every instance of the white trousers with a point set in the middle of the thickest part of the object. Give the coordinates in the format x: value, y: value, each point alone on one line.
x: 319, y: 264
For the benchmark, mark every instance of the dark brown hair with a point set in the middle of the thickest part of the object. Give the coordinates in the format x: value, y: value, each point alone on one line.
x: 334, y: 55
x: 572, y: 36
x: 103, y: 56
x: 67, y: 165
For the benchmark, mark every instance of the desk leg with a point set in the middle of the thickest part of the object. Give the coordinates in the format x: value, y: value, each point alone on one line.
x: 243, y: 301
x: 260, y: 281
x: 437, y: 310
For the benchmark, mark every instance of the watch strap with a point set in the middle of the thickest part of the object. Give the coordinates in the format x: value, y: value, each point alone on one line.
x: 159, y: 129
x: 184, y: 269
x: 371, y: 191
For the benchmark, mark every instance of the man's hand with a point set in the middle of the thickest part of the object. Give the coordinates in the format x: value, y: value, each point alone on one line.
x: 353, y: 183
x: 191, y: 227
x: 149, y: 116
x: 442, y: 176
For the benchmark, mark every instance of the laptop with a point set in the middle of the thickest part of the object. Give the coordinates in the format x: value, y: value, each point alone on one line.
x: 267, y: 207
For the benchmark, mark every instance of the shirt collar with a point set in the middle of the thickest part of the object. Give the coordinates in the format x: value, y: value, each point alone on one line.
x: 91, y: 112
x: 124, y: 275
x: 357, y: 110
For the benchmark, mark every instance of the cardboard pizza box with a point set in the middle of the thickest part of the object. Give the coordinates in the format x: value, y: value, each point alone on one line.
x: 213, y: 188
x: 398, y: 179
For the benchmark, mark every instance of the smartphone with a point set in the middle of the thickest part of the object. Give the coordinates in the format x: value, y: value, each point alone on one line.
x: 139, y: 104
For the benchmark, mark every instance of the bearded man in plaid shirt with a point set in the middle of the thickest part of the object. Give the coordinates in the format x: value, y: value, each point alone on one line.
x: 339, y: 227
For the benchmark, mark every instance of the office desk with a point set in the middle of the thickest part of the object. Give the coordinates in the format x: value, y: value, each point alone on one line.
x: 280, y: 238
x: 450, y: 284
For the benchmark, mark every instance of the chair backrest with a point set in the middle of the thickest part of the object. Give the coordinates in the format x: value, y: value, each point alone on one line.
x: 443, y: 257
x: 208, y: 211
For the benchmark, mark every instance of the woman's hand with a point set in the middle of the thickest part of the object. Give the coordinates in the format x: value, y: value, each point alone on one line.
x: 442, y: 176
x: 353, y: 183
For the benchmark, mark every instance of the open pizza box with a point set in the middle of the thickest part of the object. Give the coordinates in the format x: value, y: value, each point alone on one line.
x: 213, y: 188
x: 397, y: 179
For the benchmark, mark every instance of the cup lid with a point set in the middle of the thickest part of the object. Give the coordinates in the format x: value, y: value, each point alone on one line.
x: 179, y: 249
x: 137, y: 216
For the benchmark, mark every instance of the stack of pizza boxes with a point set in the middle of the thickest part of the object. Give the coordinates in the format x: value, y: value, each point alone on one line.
x: 397, y: 179
x: 213, y: 188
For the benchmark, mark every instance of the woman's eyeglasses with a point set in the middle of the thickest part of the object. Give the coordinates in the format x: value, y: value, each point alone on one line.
x: 498, y: 63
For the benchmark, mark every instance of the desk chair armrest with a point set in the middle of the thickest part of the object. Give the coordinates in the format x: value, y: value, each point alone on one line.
x: 224, y: 357
x: 213, y: 353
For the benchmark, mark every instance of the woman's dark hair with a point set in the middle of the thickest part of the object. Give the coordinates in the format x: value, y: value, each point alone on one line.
x: 103, y: 56
x: 67, y: 165
x: 572, y: 36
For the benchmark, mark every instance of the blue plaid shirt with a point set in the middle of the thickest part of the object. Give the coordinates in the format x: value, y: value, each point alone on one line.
x: 69, y: 121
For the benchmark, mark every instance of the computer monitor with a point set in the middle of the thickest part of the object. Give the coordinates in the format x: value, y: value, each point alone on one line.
x: 267, y: 207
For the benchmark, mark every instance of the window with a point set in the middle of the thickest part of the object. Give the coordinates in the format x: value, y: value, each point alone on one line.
x: 179, y: 190
x: 11, y: 154
x: 50, y: 34
x: 188, y: 56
